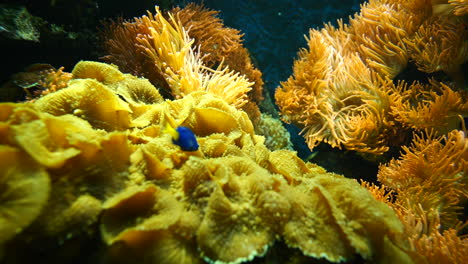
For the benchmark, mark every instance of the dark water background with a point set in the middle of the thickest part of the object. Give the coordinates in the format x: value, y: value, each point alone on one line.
x: 274, y: 30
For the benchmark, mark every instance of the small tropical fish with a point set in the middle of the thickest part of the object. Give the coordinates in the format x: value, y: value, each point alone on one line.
x: 183, y: 137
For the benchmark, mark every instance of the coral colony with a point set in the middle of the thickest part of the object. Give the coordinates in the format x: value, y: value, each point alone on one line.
x: 89, y: 156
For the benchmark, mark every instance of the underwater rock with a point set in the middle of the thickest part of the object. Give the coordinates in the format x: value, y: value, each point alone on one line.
x: 17, y: 23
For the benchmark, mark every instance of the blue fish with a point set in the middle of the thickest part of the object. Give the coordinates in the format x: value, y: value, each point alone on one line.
x: 183, y: 137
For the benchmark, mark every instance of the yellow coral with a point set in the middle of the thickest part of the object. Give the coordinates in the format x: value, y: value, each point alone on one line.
x: 170, y: 47
x: 185, y: 51
x: 432, y: 174
x: 379, y: 31
x: 444, y: 7
x: 341, y: 91
x: 338, y: 92
x: 435, y: 106
x: 220, y: 44
x: 440, y: 45
x: 56, y: 80
x: 24, y: 190
x: 333, y: 107
x: 443, y: 247
x: 426, y: 188
x: 227, y: 202
x: 460, y: 7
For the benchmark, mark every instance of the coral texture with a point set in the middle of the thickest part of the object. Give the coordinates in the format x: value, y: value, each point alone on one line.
x: 100, y: 142
x: 460, y: 7
x: 336, y: 91
x: 36, y: 80
x: 170, y: 48
x: 431, y: 174
x: 220, y: 44
x: 24, y: 188
x: 89, y: 157
x: 434, y: 106
x: 341, y: 91
x: 276, y: 136
x: 426, y: 187
x: 190, y: 44
x: 442, y: 7
x: 447, y: 51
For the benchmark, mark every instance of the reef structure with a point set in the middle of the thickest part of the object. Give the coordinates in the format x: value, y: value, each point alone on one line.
x: 426, y: 187
x: 99, y: 163
x: 193, y: 35
x: 342, y: 91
